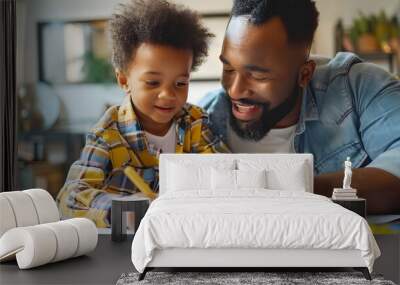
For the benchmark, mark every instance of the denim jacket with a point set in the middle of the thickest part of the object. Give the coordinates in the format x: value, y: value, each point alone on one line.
x: 349, y: 109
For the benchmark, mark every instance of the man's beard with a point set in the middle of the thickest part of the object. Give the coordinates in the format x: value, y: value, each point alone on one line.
x: 256, y: 130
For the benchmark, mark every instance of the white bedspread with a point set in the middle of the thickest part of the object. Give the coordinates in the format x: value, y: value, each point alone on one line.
x: 252, y: 218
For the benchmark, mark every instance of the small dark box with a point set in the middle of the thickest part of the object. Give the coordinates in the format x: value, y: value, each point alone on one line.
x: 358, y: 205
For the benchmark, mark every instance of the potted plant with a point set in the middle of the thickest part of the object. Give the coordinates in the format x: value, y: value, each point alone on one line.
x: 375, y: 33
x: 362, y: 34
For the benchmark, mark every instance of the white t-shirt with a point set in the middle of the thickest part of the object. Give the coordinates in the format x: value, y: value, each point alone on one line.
x: 166, y: 143
x: 276, y: 141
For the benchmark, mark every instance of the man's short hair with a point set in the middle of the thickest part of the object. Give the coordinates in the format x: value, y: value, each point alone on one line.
x: 300, y: 17
x: 156, y: 22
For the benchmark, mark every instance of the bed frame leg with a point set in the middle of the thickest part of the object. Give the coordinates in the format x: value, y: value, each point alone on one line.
x: 364, y: 271
x: 143, y: 274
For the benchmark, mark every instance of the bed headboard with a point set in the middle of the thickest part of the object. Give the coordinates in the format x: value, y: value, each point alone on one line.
x: 209, y: 159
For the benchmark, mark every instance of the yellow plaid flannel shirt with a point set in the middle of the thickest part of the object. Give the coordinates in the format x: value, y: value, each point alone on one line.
x: 117, y: 141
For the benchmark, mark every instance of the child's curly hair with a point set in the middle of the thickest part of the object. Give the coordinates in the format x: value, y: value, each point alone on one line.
x: 157, y: 22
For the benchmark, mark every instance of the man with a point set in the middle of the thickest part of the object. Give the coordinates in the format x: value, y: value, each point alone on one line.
x: 276, y: 99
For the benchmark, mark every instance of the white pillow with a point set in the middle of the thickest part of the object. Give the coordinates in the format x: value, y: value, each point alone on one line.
x: 251, y: 178
x: 181, y: 177
x: 293, y: 180
x: 187, y: 176
x: 223, y: 179
x: 236, y: 179
x: 281, y: 175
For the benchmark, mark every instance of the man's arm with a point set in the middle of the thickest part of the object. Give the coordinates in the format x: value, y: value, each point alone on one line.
x: 376, y: 97
x: 376, y: 101
x: 380, y: 188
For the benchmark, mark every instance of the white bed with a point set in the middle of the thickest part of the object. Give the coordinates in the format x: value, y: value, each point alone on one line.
x: 202, y: 220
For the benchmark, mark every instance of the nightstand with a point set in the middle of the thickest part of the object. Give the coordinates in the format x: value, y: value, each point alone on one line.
x: 120, y: 206
x: 358, y: 205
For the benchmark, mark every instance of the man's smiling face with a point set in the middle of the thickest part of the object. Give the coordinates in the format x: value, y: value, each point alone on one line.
x: 261, y: 76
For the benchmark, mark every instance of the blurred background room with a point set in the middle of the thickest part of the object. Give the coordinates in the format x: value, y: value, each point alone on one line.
x: 65, y: 80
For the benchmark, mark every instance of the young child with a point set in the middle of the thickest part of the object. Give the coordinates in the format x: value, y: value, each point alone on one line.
x: 155, y: 47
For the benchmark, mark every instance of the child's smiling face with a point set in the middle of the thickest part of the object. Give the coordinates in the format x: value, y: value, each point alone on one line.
x: 157, y: 80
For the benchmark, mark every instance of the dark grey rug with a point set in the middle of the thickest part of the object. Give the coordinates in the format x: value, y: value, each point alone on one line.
x: 243, y: 278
